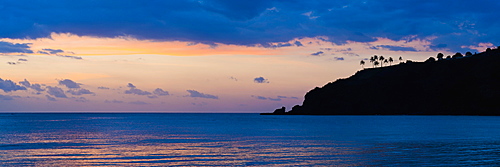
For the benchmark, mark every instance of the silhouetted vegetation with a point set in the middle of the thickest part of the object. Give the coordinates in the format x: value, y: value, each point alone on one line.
x: 457, y: 55
x: 440, y: 56
x: 381, y: 58
x: 468, y: 54
x: 430, y: 59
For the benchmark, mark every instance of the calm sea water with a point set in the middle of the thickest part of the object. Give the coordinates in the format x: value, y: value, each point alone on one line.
x: 247, y: 140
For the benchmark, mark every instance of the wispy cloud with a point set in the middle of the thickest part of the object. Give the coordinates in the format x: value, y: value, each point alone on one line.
x: 80, y: 91
x: 194, y: 93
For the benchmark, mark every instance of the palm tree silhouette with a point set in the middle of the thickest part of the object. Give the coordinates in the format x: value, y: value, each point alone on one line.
x: 372, y: 60
x: 400, y: 59
x: 381, y: 58
x: 390, y: 60
x: 375, y: 58
x: 362, y: 63
x: 375, y: 63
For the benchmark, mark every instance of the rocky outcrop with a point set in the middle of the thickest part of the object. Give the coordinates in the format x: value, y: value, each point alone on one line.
x: 459, y: 86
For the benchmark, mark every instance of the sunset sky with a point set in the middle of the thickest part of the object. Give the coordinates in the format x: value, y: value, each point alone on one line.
x: 215, y: 55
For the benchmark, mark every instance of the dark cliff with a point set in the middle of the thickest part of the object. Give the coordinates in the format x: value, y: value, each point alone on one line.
x: 460, y: 86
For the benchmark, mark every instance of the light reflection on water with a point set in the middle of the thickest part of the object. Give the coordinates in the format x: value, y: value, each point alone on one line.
x: 246, y: 140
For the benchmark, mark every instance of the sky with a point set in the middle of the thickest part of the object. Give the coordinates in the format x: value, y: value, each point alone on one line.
x: 215, y: 55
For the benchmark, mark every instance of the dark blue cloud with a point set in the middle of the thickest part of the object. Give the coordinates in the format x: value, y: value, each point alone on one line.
x: 398, y: 48
x: 7, y: 47
x: 260, y: 80
x: 281, y: 44
x: 53, y: 51
x: 194, y: 93
x: 297, y: 43
x: 73, y: 57
x: 454, y: 23
x: 320, y: 53
x: 8, y: 85
x: 338, y: 58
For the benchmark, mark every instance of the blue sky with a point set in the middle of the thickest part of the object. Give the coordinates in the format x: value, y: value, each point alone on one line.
x: 217, y: 43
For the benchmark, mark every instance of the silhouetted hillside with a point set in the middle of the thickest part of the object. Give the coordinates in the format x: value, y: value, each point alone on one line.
x: 455, y: 86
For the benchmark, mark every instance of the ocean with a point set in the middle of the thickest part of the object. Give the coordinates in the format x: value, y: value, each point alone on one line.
x: 126, y: 139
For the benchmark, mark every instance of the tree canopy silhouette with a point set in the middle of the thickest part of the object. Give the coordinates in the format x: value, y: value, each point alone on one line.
x: 468, y: 54
x: 381, y: 58
x: 457, y: 55
x: 440, y: 56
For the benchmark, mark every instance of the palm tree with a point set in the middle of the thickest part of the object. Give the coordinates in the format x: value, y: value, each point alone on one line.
x: 375, y: 63
x: 362, y: 63
x: 390, y: 60
x: 400, y: 59
x: 381, y: 58
x: 386, y: 61
x: 372, y: 59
